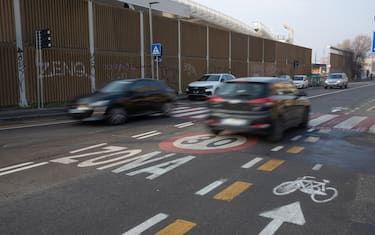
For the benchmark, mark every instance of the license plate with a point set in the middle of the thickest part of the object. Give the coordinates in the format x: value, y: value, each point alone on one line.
x: 234, y: 122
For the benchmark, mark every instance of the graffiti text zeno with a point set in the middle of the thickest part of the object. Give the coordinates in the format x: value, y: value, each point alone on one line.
x: 64, y: 69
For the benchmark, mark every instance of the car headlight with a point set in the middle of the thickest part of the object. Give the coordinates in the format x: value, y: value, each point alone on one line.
x: 99, y: 103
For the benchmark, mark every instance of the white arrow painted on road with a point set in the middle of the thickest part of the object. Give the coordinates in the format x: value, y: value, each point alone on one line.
x: 290, y: 213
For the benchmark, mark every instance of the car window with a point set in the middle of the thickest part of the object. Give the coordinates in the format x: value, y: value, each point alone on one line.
x: 298, y: 78
x: 116, y: 86
x: 210, y: 78
x: 284, y: 88
x: 245, y: 90
x: 335, y: 76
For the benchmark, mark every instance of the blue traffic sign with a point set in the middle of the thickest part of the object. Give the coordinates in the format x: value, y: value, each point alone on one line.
x: 373, y: 43
x: 156, y: 49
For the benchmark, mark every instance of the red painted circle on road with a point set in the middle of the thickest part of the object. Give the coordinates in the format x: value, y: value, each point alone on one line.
x: 206, y: 143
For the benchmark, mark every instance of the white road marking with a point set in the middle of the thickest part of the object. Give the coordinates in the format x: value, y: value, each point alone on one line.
x: 278, y: 148
x: 190, y: 113
x: 317, y: 121
x: 36, y: 125
x: 188, y: 110
x: 335, y: 92
x: 296, y: 138
x: 210, y: 187
x: 184, y: 124
x: 147, y: 224
x: 87, y: 148
x: 372, y: 129
x: 350, y: 123
x: 317, y: 167
x: 200, y: 116
x: 146, y: 135
x: 15, y: 166
x: 312, y: 139
x: 23, y: 168
x: 311, y: 130
x: 325, y: 131
x: 181, y: 107
x: 252, y: 163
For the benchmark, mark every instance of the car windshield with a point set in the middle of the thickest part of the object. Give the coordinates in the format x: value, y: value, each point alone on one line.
x: 298, y: 78
x: 334, y: 76
x: 248, y: 90
x: 115, y: 86
x: 210, y: 78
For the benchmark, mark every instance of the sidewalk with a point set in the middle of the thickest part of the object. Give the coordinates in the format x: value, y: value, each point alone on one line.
x: 21, y: 114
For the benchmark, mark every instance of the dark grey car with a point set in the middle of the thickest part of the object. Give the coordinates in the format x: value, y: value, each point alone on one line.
x: 260, y: 105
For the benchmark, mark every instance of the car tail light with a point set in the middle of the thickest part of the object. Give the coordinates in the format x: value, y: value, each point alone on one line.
x: 211, y: 121
x: 263, y: 101
x: 215, y: 99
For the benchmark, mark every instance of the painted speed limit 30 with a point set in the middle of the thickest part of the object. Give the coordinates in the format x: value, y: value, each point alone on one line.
x: 205, y: 143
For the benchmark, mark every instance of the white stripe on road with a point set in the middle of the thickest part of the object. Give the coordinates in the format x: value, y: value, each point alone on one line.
x: 15, y: 166
x: 317, y: 167
x: 180, y: 107
x: 190, y: 113
x: 184, y: 124
x: 317, y: 121
x: 188, y: 110
x: 87, y: 148
x: 252, y: 162
x: 23, y: 168
x: 210, y: 187
x: 350, y: 123
x: 296, y: 138
x: 200, y: 116
x: 36, y: 125
x: 146, y: 135
x: 278, y: 148
x: 147, y: 224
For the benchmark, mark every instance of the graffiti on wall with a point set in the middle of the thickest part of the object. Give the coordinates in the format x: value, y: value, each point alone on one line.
x: 190, y: 70
x: 119, y: 71
x: 59, y: 68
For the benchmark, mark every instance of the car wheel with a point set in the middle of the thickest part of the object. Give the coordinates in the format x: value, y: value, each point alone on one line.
x: 346, y: 86
x: 116, y: 116
x: 277, y: 131
x: 325, y: 87
x: 305, y: 119
x: 167, y: 109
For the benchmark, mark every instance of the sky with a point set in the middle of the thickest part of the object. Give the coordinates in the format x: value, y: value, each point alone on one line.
x: 316, y: 23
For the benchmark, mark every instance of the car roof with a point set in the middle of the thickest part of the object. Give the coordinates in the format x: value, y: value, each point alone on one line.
x: 217, y: 74
x: 259, y: 79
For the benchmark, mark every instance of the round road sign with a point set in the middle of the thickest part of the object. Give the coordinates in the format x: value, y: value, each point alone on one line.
x: 204, y: 143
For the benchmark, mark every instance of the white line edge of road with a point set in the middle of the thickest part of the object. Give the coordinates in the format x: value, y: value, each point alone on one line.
x: 23, y: 168
x: 15, y: 166
x: 147, y: 224
x: 37, y: 125
x: 335, y: 92
x: 252, y: 162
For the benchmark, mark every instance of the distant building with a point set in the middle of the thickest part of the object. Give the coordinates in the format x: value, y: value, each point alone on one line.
x: 369, y: 66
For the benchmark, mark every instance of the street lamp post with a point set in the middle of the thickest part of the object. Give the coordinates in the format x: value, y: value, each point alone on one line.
x: 151, y: 36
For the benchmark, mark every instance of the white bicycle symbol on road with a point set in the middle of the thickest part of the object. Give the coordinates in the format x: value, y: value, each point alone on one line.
x: 318, y: 190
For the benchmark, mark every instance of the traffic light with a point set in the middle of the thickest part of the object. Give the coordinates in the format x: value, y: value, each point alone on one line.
x: 45, y: 37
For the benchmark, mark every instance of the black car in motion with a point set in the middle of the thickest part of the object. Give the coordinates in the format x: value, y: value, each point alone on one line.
x: 260, y: 105
x: 120, y: 99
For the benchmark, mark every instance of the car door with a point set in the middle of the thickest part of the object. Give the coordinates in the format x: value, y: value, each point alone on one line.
x: 287, y: 98
x: 139, y: 98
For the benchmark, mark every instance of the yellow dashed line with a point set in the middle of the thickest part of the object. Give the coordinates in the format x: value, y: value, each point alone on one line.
x: 232, y: 191
x: 178, y: 227
x: 270, y: 165
x: 295, y: 149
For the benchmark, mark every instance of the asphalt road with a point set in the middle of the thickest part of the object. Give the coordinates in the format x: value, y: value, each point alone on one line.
x: 159, y: 175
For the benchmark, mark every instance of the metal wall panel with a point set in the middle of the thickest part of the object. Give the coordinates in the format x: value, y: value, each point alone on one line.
x: 165, y: 32
x: 192, y: 69
x: 8, y: 79
x: 256, y: 69
x: 218, y: 66
x: 7, y: 28
x: 193, y: 40
x: 168, y: 71
x: 219, y: 44
x: 281, y: 52
x: 256, y: 49
x: 270, y: 69
x: 116, y: 29
x: 239, y: 68
x: 65, y: 75
x: 269, y: 50
x: 67, y: 20
x: 239, y: 47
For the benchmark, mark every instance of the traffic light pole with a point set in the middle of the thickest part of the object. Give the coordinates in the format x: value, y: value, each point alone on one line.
x: 39, y: 62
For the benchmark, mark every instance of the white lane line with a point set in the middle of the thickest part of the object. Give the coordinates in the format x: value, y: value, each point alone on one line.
x: 372, y: 129
x: 147, y: 224
x: 296, y: 138
x: 210, y: 187
x: 190, y: 113
x: 312, y: 139
x: 278, y: 148
x: 325, y: 131
x: 23, y: 168
x: 252, y: 163
x: 180, y: 107
x: 321, y: 119
x: 184, y: 124
x: 188, y: 110
x: 87, y: 148
x: 335, y: 92
x: 311, y: 129
x: 36, y: 125
x: 350, y: 123
x: 317, y: 167
x: 200, y: 116
x: 15, y: 166
x: 148, y: 136
x: 143, y: 134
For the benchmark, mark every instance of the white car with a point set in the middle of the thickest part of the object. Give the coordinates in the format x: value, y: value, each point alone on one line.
x: 301, y: 81
x: 339, y: 80
x: 207, y: 85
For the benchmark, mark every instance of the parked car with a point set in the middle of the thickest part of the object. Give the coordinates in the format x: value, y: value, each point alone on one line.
x: 301, y: 81
x: 339, y: 80
x: 259, y: 105
x: 118, y: 100
x: 207, y: 85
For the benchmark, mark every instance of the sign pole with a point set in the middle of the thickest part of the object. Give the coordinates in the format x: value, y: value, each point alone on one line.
x: 37, y: 44
x: 157, y: 67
